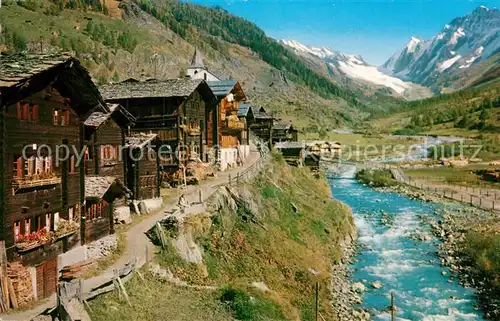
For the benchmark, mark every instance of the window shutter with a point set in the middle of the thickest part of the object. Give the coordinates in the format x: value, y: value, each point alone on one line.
x: 48, y: 164
x: 19, y: 112
x: 66, y: 117
x: 20, y: 167
x: 35, y: 113
x: 26, y: 111
x: 39, y: 165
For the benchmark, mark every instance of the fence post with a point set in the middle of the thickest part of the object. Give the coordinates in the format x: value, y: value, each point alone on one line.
x: 471, y: 200
x: 317, y: 299
x: 393, y: 307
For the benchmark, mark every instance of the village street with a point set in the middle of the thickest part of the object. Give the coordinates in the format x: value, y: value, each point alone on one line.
x: 136, y: 239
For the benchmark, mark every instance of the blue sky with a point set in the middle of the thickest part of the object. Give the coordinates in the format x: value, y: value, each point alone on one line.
x: 373, y: 28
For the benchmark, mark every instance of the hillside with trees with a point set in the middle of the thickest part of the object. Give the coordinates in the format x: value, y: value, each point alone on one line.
x: 117, y: 40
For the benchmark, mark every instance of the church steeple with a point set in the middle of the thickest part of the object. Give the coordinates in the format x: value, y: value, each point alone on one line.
x: 197, y: 61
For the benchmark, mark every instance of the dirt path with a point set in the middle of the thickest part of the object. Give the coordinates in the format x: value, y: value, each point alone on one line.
x: 136, y: 240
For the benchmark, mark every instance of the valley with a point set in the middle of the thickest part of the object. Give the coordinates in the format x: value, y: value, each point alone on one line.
x: 311, y: 184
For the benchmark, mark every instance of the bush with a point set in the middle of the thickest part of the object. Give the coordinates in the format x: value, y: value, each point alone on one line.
x: 246, y: 307
x: 482, y: 251
x: 376, y: 178
x: 28, y: 4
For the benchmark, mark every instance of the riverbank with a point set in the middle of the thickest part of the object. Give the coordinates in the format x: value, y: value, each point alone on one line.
x: 259, y: 251
x: 469, y: 248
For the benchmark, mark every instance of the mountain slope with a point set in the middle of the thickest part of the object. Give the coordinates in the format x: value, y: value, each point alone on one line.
x: 340, y: 66
x: 460, y: 46
x: 118, y: 39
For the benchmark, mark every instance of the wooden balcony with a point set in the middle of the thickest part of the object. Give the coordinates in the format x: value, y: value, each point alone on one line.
x: 193, y: 130
x: 234, y: 125
x: 35, y: 181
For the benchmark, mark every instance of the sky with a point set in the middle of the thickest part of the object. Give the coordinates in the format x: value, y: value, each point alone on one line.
x: 376, y: 29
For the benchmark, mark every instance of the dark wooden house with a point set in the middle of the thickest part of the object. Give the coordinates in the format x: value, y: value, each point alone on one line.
x: 261, y: 123
x: 284, y: 132
x: 294, y: 153
x: 177, y: 110
x: 105, y: 166
x: 43, y: 101
x: 143, y: 172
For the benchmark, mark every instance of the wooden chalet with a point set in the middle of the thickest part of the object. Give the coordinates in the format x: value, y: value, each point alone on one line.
x: 245, y: 113
x: 260, y: 122
x: 230, y: 131
x: 105, y: 166
x: 284, y: 132
x: 43, y: 101
x: 293, y: 152
x: 143, y: 165
x: 177, y: 110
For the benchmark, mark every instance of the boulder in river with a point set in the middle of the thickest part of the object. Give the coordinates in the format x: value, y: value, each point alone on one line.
x: 358, y: 287
x: 377, y: 285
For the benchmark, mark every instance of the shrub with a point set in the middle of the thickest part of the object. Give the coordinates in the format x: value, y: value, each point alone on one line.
x: 246, y: 307
x: 376, y: 178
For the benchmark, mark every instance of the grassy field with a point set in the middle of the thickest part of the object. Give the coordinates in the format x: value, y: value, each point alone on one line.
x: 157, y: 300
x: 457, y: 176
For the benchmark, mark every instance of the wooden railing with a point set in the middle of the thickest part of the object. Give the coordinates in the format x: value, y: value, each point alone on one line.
x: 234, y: 124
x: 31, y: 182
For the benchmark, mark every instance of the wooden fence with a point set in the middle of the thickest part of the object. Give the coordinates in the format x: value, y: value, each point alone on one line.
x: 480, y: 198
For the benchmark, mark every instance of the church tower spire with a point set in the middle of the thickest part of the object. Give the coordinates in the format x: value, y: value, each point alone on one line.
x: 197, y: 69
x: 197, y: 61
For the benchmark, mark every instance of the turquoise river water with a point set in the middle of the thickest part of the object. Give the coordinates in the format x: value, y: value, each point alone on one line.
x: 409, y: 268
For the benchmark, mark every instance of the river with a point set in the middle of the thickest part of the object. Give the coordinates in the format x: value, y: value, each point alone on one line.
x: 388, y: 252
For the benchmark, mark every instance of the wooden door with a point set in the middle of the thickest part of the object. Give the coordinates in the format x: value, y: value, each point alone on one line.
x: 46, y: 278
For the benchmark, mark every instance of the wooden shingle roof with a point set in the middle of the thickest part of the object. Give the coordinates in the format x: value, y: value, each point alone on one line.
x: 182, y: 87
x: 139, y: 140
x: 22, y: 75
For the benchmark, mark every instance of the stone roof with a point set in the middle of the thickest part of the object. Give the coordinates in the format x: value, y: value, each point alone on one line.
x: 282, y: 125
x: 222, y: 88
x: 22, y: 75
x: 181, y: 87
x: 197, y: 61
x: 97, y: 186
x: 139, y: 140
x: 98, y: 118
x: 15, y: 68
x: 243, y: 109
x: 286, y: 145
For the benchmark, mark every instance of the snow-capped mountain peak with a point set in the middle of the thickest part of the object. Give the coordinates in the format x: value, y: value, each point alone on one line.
x: 461, y: 43
x: 412, y: 44
x: 321, y: 52
x: 351, y: 66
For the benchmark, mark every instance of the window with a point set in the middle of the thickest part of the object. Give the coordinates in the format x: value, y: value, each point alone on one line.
x: 72, y: 164
x: 27, y: 226
x: 56, y: 220
x: 56, y: 117
x: 61, y: 117
x: 17, y: 231
x: 109, y: 154
x: 32, y: 168
x: 97, y: 210
x: 39, y: 223
x: 27, y: 112
x: 71, y: 213
x: 48, y: 221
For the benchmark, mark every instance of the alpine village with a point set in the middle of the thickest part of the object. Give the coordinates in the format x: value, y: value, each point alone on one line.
x: 122, y: 184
